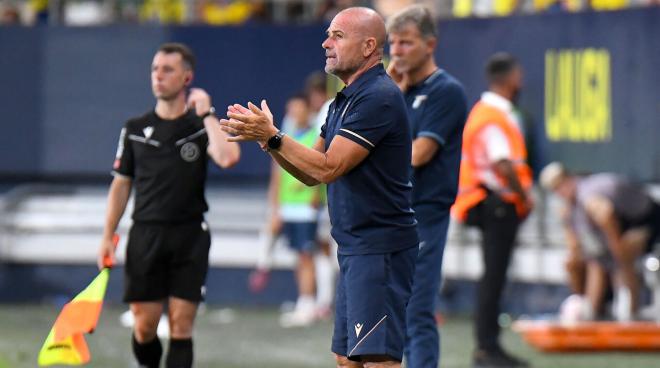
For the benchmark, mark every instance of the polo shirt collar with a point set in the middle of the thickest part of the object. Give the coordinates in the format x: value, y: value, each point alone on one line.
x: 427, y: 81
x: 375, y: 70
x: 434, y: 75
x: 497, y: 101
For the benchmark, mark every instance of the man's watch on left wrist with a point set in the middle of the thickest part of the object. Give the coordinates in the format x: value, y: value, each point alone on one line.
x: 208, y: 113
x: 275, y: 142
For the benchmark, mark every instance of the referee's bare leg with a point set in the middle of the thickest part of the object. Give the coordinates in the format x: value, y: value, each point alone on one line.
x: 147, y: 315
x: 181, y: 316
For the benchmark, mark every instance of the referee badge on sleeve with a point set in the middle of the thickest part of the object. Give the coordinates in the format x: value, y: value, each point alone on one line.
x: 120, y: 144
x: 190, y: 152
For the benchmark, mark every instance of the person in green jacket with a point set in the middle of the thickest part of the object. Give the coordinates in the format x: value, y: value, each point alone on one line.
x: 294, y: 214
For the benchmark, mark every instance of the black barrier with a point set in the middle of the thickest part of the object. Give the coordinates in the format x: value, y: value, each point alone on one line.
x: 591, y: 86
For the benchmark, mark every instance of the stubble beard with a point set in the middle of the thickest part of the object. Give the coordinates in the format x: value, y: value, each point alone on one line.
x: 341, y: 73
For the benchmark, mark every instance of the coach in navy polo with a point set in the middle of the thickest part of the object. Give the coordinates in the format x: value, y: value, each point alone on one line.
x: 370, y: 206
x: 364, y: 155
x: 437, y: 109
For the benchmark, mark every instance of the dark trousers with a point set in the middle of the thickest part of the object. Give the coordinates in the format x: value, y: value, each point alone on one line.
x: 422, y: 347
x: 498, y: 223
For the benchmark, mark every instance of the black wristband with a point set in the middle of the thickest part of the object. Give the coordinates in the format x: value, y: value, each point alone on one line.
x: 208, y: 113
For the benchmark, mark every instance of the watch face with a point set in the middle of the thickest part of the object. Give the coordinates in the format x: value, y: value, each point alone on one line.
x: 275, y: 142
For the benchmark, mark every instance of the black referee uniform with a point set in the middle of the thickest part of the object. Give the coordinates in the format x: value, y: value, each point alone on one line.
x: 168, y: 244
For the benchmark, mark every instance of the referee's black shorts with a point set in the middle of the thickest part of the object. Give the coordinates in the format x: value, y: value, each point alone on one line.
x: 164, y: 260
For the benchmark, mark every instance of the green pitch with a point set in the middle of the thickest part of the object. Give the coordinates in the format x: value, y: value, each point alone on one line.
x: 253, y: 338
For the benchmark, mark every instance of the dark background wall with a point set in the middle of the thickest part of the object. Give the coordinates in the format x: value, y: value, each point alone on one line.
x: 65, y: 92
x: 630, y: 38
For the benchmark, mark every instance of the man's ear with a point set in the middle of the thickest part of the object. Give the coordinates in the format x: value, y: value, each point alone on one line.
x: 188, y: 78
x: 431, y: 43
x: 370, y: 47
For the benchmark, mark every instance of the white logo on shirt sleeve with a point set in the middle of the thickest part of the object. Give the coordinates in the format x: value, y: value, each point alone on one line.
x: 418, y: 101
x: 120, y: 145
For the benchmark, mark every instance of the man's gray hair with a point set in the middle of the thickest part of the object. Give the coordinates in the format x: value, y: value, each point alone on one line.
x: 418, y: 15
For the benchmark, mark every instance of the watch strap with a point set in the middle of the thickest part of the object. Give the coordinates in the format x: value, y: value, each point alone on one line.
x: 208, y: 113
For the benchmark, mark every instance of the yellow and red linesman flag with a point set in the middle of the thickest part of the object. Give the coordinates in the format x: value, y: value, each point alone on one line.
x: 65, y: 344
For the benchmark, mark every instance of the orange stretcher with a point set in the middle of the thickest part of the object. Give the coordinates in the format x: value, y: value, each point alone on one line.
x: 553, y: 336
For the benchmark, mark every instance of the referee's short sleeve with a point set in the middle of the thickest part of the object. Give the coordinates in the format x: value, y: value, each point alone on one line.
x: 367, y: 121
x: 123, y: 164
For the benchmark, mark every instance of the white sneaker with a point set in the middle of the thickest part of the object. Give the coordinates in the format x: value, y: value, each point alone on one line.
x: 298, y: 318
x: 323, y: 313
x: 163, y: 330
x: 127, y: 320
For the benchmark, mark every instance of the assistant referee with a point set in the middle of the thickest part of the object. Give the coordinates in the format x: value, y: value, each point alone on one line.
x: 163, y: 155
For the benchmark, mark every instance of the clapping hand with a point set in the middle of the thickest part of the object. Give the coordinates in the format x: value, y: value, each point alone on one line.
x: 249, y: 123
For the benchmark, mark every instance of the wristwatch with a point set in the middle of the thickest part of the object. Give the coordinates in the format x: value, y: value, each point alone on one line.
x: 208, y: 113
x: 275, y: 141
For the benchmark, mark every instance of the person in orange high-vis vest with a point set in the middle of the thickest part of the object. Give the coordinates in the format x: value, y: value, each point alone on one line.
x: 493, y: 195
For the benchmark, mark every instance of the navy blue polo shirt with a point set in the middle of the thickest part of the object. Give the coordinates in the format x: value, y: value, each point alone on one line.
x: 437, y: 109
x: 370, y: 208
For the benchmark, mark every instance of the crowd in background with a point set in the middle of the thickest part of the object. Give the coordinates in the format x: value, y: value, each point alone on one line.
x: 236, y: 12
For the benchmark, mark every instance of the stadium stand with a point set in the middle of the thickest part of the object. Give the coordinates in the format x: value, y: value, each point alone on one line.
x: 237, y: 12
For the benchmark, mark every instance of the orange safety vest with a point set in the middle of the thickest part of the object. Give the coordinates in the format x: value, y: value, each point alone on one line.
x: 470, y: 188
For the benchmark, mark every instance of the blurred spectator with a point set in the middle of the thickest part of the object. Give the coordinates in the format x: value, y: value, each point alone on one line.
x: 9, y: 14
x: 485, y: 8
x: 389, y: 7
x: 261, y: 11
x: 163, y: 11
x: 87, y: 13
x: 223, y: 12
x: 610, y: 223
x: 330, y: 8
x: 40, y: 10
x: 235, y: 12
x: 317, y: 93
x: 608, y: 4
x: 294, y: 214
x: 570, y: 6
x: 580, y: 5
x: 128, y: 11
x: 307, y: 120
x: 294, y: 11
x: 316, y: 90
